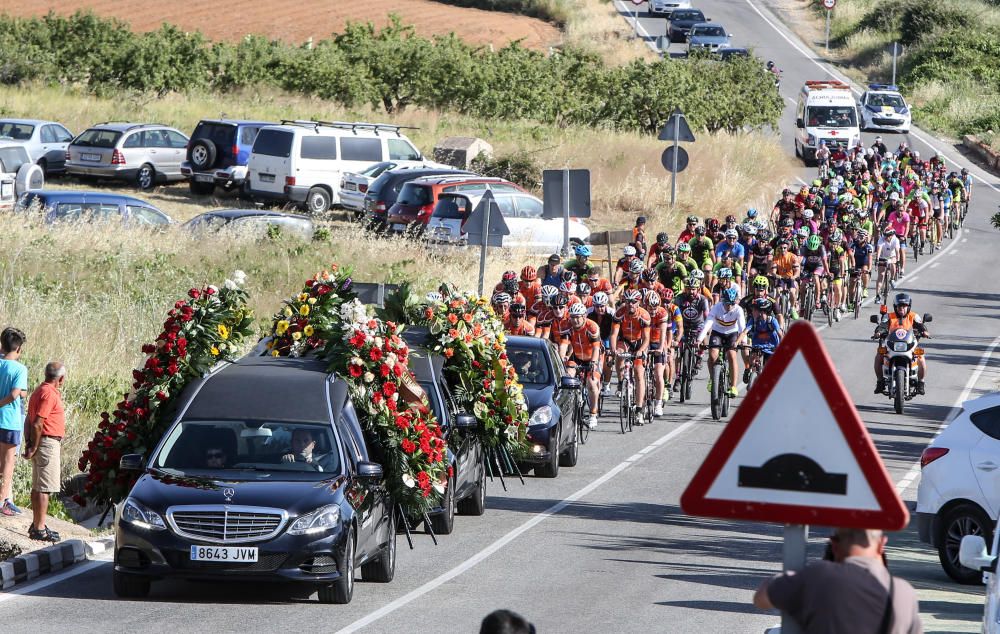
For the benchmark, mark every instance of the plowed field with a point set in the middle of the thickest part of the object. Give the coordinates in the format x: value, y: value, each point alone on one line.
x: 295, y: 22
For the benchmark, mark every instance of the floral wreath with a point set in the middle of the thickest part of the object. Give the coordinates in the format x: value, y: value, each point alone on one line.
x: 208, y: 327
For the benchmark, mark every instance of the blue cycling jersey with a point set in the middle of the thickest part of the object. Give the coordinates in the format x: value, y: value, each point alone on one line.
x: 765, y: 333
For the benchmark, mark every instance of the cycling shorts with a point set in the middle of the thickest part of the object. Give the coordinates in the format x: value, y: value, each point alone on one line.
x: 785, y: 282
x: 626, y: 345
x: 722, y: 340
x: 656, y: 353
x: 813, y: 270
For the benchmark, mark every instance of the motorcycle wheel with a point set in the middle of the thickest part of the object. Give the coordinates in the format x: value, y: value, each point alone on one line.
x: 899, y: 389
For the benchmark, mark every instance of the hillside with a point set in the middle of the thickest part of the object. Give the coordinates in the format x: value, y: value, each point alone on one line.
x: 304, y: 19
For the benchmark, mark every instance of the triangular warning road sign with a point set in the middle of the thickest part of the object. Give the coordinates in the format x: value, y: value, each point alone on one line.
x: 796, y: 451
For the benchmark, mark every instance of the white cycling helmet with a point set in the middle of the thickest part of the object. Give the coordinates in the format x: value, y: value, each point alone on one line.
x: 578, y: 310
x: 807, y: 214
x: 629, y: 251
x: 698, y: 274
x: 652, y: 298
x: 600, y: 299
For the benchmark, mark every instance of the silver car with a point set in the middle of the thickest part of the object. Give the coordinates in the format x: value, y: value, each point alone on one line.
x: 707, y: 37
x: 46, y: 141
x: 141, y: 153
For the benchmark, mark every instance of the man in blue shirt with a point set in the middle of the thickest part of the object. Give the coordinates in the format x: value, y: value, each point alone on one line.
x: 730, y: 245
x: 764, y: 331
x: 13, y: 386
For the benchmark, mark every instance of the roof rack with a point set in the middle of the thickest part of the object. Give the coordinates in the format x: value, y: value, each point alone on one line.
x: 353, y: 126
x: 131, y: 126
x: 823, y: 84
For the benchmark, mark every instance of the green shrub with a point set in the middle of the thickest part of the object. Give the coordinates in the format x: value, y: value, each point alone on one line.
x: 886, y: 16
x: 921, y: 19
x: 519, y: 167
x: 960, y: 54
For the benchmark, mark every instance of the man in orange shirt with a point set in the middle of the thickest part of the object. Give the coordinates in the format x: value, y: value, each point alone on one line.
x: 659, y: 324
x: 630, y: 334
x: 580, y: 346
x: 529, y: 286
x: 47, y: 425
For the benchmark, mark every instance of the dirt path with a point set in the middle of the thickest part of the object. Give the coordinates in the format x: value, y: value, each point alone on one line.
x: 305, y: 19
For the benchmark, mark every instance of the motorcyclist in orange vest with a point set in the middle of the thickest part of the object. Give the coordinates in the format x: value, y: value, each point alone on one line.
x: 902, y: 316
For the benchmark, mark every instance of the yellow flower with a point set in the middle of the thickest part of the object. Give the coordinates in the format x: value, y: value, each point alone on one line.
x: 296, y: 336
x: 281, y: 328
x: 303, y: 297
x: 275, y: 353
x: 304, y: 309
x: 288, y: 311
x: 223, y: 331
x: 308, y: 330
x: 312, y: 300
x: 214, y: 351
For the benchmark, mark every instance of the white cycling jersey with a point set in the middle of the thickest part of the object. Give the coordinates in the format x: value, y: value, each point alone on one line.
x: 722, y: 321
x: 887, y: 250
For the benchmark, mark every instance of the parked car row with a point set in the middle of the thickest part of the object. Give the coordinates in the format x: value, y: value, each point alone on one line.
x: 223, y: 496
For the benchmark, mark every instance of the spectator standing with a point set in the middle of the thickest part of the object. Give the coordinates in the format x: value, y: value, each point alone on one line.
x: 851, y: 591
x: 46, y: 425
x: 13, y: 386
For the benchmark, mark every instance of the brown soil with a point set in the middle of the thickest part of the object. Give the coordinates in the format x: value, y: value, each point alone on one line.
x: 316, y: 19
x: 14, y: 532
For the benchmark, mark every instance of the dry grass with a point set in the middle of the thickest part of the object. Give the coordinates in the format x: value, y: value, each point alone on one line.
x: 596, y: 25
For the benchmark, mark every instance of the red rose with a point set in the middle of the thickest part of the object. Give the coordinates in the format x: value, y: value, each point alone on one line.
x: 375, y: 354
x: 377, y: 398
x: 210, y: 291
x: 398, y: 369
x: 355, y: 370
x: 389, y: 389
x: 391, y: 405
x: 194, y: 293
x: 322, y: 289
x: 172, y: 369
x: 372, y: 324
x: 384, y: 370
x: 161, y: 395
x: 309, y: 283
x: 148, y: 348
x: 408, y: 446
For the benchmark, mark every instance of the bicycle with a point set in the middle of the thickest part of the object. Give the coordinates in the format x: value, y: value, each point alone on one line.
x: 719, y: 376
x: 883, y: 282
x: 807, y: 297
x: 687, y: 361
x: 826, y: 302
x: 857, y: 279
x: 583, y: 402
x: 756, y: 365
x: 626, y: 399
x: 650, y: 372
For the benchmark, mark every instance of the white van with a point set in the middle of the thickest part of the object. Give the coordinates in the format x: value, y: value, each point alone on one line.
x: 304, y: 161
x: 826, y: 111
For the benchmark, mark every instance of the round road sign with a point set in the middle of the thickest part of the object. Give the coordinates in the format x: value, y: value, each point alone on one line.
x: 829, y: 4
x: 667, y: 159
x: 638, y: 1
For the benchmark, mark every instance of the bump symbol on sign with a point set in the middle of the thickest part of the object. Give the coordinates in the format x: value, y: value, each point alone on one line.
x: 793, y: 472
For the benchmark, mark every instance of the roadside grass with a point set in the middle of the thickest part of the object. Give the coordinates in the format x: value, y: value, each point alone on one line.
x: 91, y: 295
x: 595, y: 25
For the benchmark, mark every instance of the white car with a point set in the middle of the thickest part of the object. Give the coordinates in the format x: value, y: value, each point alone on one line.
x: 666, y: 7
x: 973, y: 555
x: 959, y: 491
x: 354, y: 185
x: 521, y: 212
x: 46, y: 141
x: 883, y: 108
x: 18, y: 173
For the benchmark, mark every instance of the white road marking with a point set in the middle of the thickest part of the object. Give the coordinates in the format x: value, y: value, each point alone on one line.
x: 912, y: 278
x: 965, y: 239
x: 72, y: 571
x: 476, y: 559
x: 970, y: 385
x: 935, y: 265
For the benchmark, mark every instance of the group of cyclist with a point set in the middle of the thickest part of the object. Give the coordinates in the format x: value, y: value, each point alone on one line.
x: 735, y: 285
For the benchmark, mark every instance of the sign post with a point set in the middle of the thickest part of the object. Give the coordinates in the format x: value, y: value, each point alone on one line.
x: 565, y: 195
x: 828, y: 5
x: 674, y: 158
x: 796, y: 452
x: 485, y: 227
x: 895, y: 53
x: 635, y: 16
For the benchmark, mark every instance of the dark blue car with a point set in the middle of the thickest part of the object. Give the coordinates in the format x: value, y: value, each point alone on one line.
x: 218, y: 153
x: 551, y: 395
x: 86, y: 206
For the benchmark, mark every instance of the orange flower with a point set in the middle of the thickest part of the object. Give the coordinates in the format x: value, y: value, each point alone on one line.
x: 452, y: 319
x: 467, y: 317
x: 429, y: 313
x: 468, y: 338
x: 453, y: 333
x: 448, y: 353
x: 477, y: 329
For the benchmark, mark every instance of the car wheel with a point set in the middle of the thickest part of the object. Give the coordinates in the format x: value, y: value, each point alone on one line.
x: 317, y: 201
x: 383, y: 569
x: 443, y: 523
x: 960, y: 521
x: 571, y: 454
x: 203, y: 154
x: 476, y: 503
x: 129, y: 586
x: 551, y: 468
x: 145, y: 177
x: 201, y: 189
x: 341, y: 591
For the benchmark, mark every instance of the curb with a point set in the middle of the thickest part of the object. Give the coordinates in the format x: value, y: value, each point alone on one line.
x: 49, y: 559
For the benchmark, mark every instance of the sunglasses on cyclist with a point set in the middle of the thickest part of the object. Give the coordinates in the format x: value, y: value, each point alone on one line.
x: 632, y: 301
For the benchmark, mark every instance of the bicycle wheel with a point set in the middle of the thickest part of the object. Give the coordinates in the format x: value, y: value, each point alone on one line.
x: 650, y: 389
x: 717, y: 391
x: 857, y: 298
x: 623, y: 407
x: 684, y: 372
x: 916, y: 247
x: 724, y: 389
x: 828, y: 307
x: 582, y: 413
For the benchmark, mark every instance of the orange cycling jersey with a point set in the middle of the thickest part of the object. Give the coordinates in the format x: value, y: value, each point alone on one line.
x: 657, y: 318
x: 518, y: 327
x: 601, y: 286
x: 530, y: 291
x: 631, y: 326
x: 559, y: 330
x: 584, y: 340
x: 785, y: 265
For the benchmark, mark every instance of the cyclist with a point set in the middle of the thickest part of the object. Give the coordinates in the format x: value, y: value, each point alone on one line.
x: 838, y: 268
x: 622, y: 267
x: 675, y: 332
x: 764, y: 331
x: 529, y: 286
x: 501, y: 305
x: 689, y: 230
x: 919, y: 210
x: 693, y: 307
x: 730, y: 247
x: 639, y: 237
x: 597, y: 283
x: 903, y: 317
x: 784, y: 208
x: 583, y: 295
x: 659, y: 346
x: 670, y: 272
x: 702, y: 247
x: 540, y: 313
x: 823, y: 158
x: 556, y: 321
x: 861, y: 263
x: 648, y: 282
x: 580, y: 346
x: 967, y: 181
x: 786, y: 270
x: 761, y: 255
x: 603, y: 316
x: 759, y: 288
x: 815, y: 263
x: 631, y: 280
x: 581, y: 263
x: 509, y: 284
x: 630, y: 333
x: 662, y: 244
x: 888, y: 251
x: 724, y: 329
x: 724, y: 279
x: 684, y: 257
x: 516, y: 324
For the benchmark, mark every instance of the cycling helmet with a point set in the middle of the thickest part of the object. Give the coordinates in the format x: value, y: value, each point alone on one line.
x: 729, y: 296
x: 787, y: 222
x: 662, y: 238
x: 725, y: 273
x: 786, y: 192
x: 894, y: 196
x: 763, y: 304
x: 698, y: 274
x: 731, y: 233
x: 568, y: 287
x: 601, y: 299
x: 889, y: 231
x: 667, y: 250
x: 560, y: 301
x: 649, y: 275
x: 836, y: 236
x: 692, y: 220
x: 548, y: 292
x: 641, y: 220
x: 578, y: 310
x: 583, y: 288
x: 667, y: 295
x: 813, y: 243
x: 765, y: 234
x: 517, y: 309
x: 632, y: 295
x: 861, y: 234
x: 693, y: 282
x: 509, y: 276
x: 629, y: 251
x: 807, y: 214
x: 510, y: 286
x: 730, y: 219
x: 965, y: 171
x: 635, y: 267
x: 684, y: 247
x: 699, y: 230
x: 802, y: 232
x: 749, y: 229
x: 751, y: 213
x: 582, y: 251
x: 529, y: 274
x: 783, y: 244
x: 501, y: 298
x: 770, y: 64
x: 761, y: 282
x: 713, y: 224
x: 652, y: 299
x: 568, y: 276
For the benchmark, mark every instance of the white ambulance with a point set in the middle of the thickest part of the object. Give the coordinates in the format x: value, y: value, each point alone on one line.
x: 826, y: 112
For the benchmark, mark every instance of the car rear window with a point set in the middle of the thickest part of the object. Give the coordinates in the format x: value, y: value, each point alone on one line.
x: 451, y: 208
x: 988, y: 422
x: 356, y: 149
x: 709, y: 31
x: 322, y: 148
x: 98, y: 138
x: 688, y: 15
x: 273, y: 143
x: 12, y: 158
x: 17, y: 131
x: 221, y: 134
x: 415, y: 194
x: 248, y: 134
